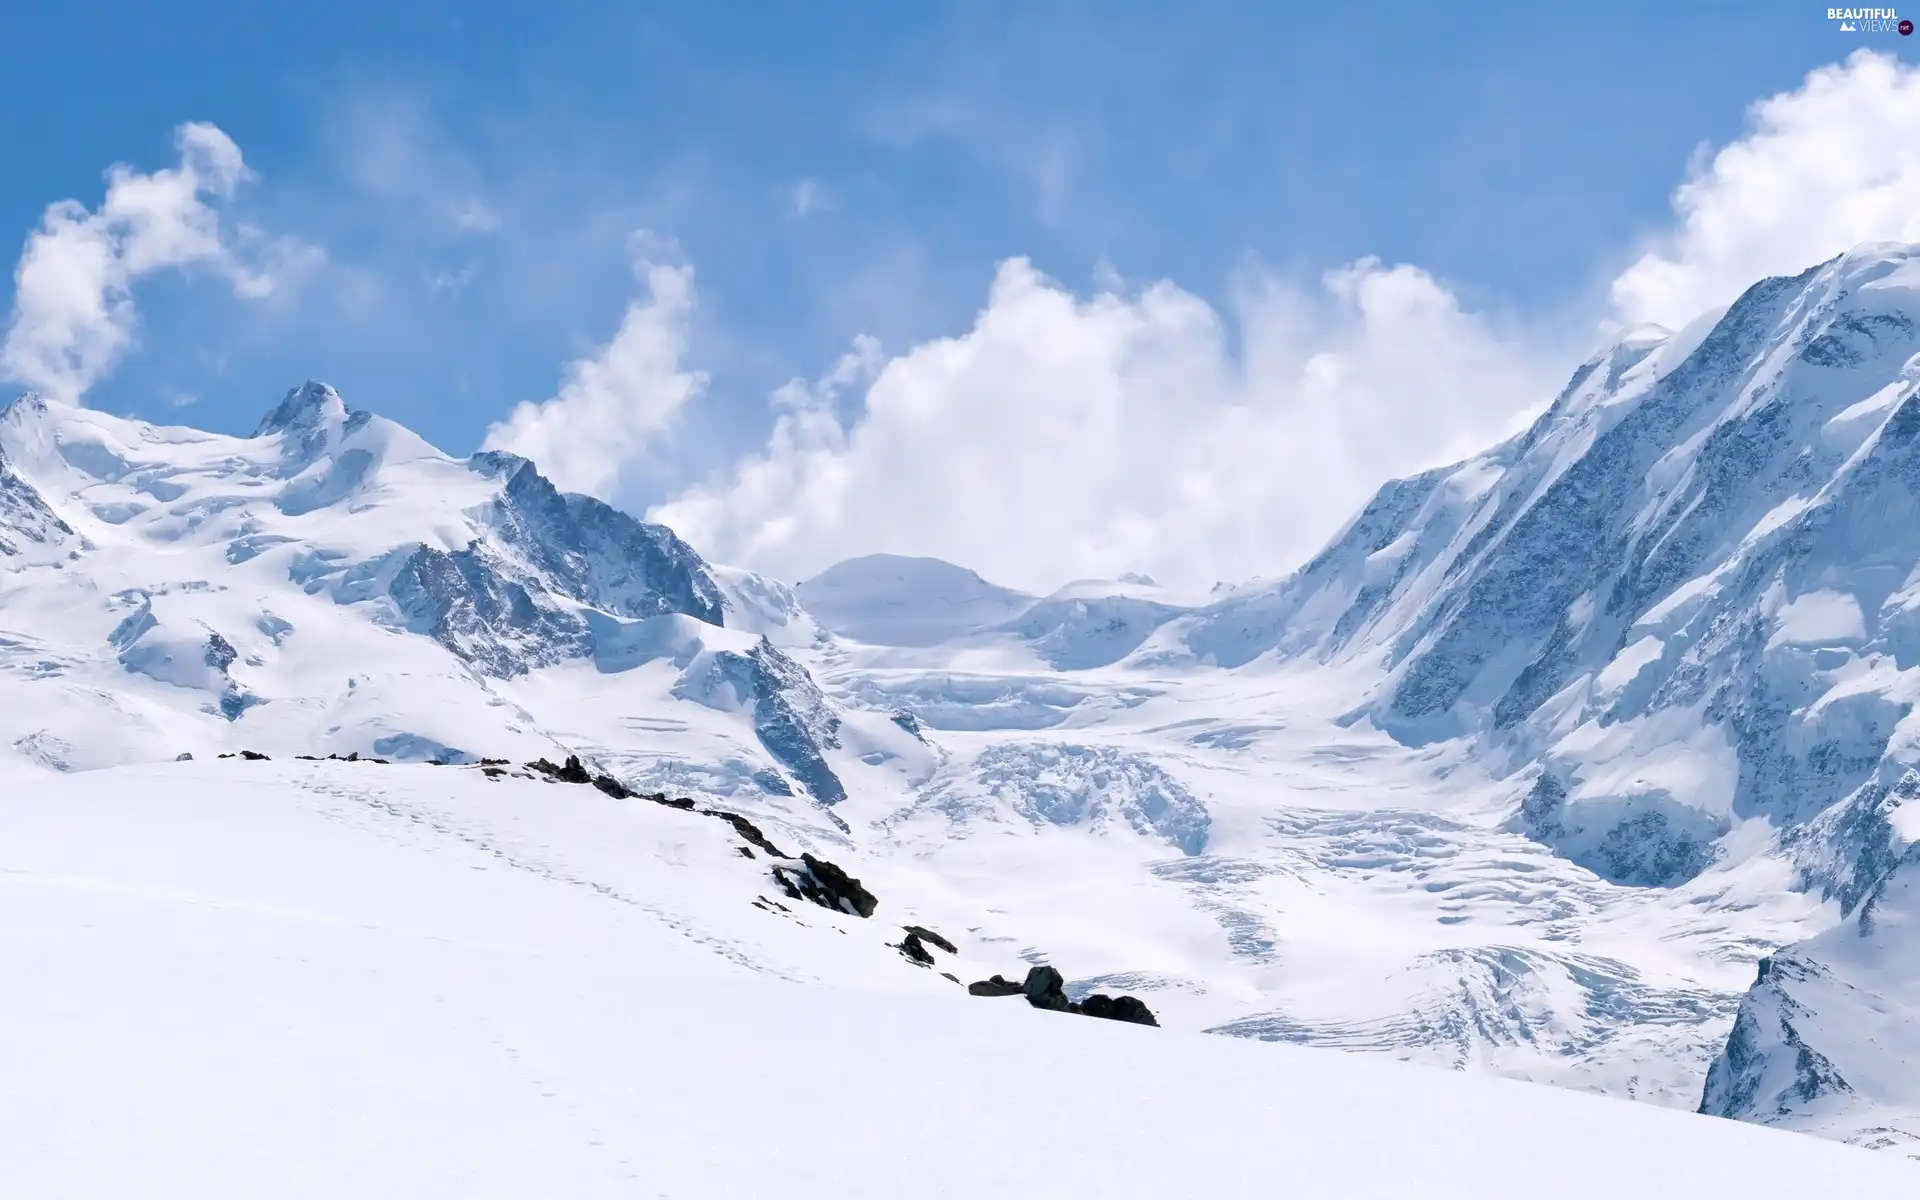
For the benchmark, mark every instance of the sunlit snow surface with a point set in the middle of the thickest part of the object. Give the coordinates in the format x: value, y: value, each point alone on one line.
x: 271, y: 979
x: 1528, y: 772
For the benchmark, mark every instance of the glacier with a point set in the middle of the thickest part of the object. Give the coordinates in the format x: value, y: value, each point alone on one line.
x: 1584, y: 761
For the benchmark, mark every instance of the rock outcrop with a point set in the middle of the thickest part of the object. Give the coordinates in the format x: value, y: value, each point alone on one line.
x: 1044, y: 987
x: 807, y: 878
x: 825, y: 884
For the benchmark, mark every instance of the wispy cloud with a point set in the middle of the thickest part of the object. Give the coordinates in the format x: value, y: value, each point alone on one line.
x: 73, y: 312
x: 613, y: 406
x: 392, y: 150
x: 805, y: 197
x: 1043, y: 158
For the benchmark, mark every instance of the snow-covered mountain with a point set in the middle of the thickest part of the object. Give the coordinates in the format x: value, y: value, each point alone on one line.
x: 889, y: 600
x: 243, y: 979
x: 334, y: 584
x: 1824, y: 1040
x: 1526, y: 771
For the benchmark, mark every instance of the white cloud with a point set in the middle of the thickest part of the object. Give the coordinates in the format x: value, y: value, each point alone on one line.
x: 471, y: 216
x: 1066, y: 435
x: 392, y: 150
x: 1820, y: 169
x: 73, y: 311
x: 612, y: 407
x: 806, y: 197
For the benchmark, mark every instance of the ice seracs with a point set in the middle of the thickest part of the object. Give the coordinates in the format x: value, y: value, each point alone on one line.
x: 1526, y: 771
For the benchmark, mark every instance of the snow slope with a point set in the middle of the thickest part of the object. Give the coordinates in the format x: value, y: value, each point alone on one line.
x: 343, y: 979
x: 1525, y: 772
x: 889, y: 600
x: 334, y: 583
x: 1824, y: 1040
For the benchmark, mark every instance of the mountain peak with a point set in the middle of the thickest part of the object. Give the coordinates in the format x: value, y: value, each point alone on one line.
x: 308, y: 406
x: 25, y: 404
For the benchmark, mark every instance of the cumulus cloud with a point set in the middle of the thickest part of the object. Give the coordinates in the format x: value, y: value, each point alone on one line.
x: 1819, y: 169
x: 1067, y: 435
x: 613, y: 406
x: 73, y: 310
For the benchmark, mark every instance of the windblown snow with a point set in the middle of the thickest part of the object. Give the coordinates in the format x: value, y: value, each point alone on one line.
x: 1586, y: 761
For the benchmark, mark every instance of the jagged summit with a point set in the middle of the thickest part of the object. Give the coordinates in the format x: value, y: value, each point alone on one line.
x: 311, y: 405
x: 274, y: 587
x: 1525, y: 771
x: 25, y: 402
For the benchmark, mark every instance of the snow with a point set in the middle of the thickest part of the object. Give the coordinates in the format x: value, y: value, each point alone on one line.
x: 1627, y: 665
x: 1524, y: 774
x: 889, y: 600
x: 1818, y: 618
x: 349, y: 980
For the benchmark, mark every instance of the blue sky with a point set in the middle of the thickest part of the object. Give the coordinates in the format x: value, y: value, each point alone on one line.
x: 470, y: 178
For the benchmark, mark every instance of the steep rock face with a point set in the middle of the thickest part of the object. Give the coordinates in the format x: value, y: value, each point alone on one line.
x: 794, y: 721
x: 290, y: 559
x: 469, y: 602
x: 1684, y: 599
x: 29, y: 530
x: 515, y: 597
x: 595, y: 554
x: 1825, y: 1040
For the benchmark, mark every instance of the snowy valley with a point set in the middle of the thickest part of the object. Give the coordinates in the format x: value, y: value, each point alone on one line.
x: 1587, y: 761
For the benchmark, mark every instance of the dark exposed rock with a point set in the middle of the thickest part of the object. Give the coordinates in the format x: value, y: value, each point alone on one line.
x: 220, y: 652
x: 791, y: 716
x: 853, y: 896
x: 745, y: 851
x: 184, y: 756
x: 827, y: 885
x: 470, y: 602
x: 748, y: 830
x: 493, y: 762
x: 913, y: 951
x: 928, y: 935
x: 593, y: 553
x: 253, y: 756
x: 510, y: 601
x: 25, y: 519
x: 1046, y: 989
x: 812, y: 879
x: 612, y: 787
x: 1116, y: 1008
x: 910, y: 723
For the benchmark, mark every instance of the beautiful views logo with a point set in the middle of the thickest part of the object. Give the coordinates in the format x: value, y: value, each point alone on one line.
x: 1870, y: 20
